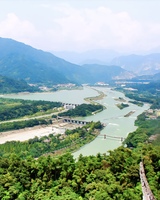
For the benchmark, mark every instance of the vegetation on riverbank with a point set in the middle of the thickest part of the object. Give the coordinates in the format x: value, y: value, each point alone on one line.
x: 122, y: 105
x: 138, y: 103
x: 20, y: 114
x: 17, y: 108
x: 16, y: 125
x: 96, y: 98
x: 82, y: 110
x: 113, y: 176
x: 71, y: 140
x: 146, y: 128
x: 148, y: 123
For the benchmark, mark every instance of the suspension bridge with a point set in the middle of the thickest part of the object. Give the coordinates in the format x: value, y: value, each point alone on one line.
x: 105, y: 136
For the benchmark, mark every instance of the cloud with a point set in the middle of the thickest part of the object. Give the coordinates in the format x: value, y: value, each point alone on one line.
x: 78, y: 29
x: 98, y: 28
x: 21, y: 30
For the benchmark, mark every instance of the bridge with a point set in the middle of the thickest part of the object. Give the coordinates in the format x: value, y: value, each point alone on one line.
x: 70, y: 106
x: 105, y: 136
x: 147, y: 193
x: 72, y: 121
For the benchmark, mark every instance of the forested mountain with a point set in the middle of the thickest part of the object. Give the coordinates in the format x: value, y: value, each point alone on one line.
x: 139, y: 64
x: 8, y: 85
x: 20, y: 61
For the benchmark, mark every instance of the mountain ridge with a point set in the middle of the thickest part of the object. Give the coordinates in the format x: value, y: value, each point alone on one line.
x: 21, y: 61
x: 139, y: 64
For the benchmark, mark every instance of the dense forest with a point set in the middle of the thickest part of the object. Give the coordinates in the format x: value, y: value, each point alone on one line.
x: 16, y: 108
x: 113, y: 176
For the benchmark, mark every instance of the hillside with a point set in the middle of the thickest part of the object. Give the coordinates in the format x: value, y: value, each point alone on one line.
x: 8, y: 85
x: 139, y: 64
x: 20, y: 61
x: 97, y: 73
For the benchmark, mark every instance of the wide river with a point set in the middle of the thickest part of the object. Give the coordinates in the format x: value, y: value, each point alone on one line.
x: 112, y: 116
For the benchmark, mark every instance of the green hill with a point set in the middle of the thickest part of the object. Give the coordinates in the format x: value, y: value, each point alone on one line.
x: 8, y: 85
x: 20, y: 61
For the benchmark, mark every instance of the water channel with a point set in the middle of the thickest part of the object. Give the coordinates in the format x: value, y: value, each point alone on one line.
x: 112, y: 116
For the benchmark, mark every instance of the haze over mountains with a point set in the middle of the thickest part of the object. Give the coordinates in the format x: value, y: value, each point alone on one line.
x: 96, y: 56
x: 139, y: 64
x: 20, y: 61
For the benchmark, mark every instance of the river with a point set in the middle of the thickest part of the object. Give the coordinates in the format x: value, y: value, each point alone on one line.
x: 112, y: 116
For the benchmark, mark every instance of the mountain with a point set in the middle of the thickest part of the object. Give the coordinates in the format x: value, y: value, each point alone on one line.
x: 8, y: 85
x: 155, y: 77
x: 105, y: 73
x: 139, y: 64
x: 96, y: 56
x: 20, y: 61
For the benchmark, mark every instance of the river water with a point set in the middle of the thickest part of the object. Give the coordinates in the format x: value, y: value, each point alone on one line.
x: 112, y: 116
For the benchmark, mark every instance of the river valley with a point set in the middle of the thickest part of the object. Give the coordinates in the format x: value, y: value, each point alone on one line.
x: 117, y: 125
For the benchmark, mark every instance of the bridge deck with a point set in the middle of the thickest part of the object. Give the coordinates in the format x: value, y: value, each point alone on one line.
x: 112, y: 137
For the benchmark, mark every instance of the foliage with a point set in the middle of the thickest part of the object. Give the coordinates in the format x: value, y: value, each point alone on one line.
x: 122, y: 105
x: 113, y: 176
x: 8, y: 85
x: 82, y: 110
x: 146, y: 93
x: 16, y: 125
x: 36, y: 147
x: 21, y: 61
x: 138, y: 103
x: 146, y: 128
x: 16, y: 108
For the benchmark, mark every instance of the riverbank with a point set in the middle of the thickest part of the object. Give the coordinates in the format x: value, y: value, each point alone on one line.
x: 36, y: 131
x: 75, y: 146
x: 96, y: 98
x: 113, y: 117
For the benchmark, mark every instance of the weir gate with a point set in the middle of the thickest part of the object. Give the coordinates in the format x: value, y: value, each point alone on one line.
x: 70, y: 106
x: 72, y: 121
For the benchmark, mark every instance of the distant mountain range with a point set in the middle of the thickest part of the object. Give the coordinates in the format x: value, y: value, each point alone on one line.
x: 96, y: 56
x: 20, y: 61
x: 139, y: 64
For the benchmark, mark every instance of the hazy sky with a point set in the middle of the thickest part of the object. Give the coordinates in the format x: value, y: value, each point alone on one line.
x: 80, y: 25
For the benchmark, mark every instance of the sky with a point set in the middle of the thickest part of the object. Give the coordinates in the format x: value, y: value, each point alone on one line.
x: 82, y: 25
